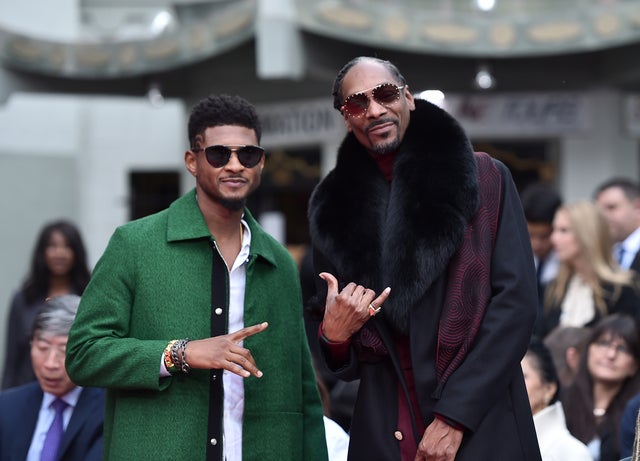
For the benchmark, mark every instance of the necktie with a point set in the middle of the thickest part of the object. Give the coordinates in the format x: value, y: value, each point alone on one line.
x: 54, y: 434
x: 620, y: 255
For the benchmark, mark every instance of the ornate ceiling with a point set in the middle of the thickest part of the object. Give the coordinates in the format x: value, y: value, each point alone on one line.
x: 463, y: 27
x: 142, y: 37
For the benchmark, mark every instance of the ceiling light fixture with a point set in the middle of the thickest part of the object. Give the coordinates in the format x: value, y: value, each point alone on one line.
x: 486, y: 5
x: 154, y: 94
x: 484, y: 80
x: 162, y: 22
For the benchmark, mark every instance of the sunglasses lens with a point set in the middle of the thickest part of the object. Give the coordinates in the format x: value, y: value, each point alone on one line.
x: 250, y: 156
x: 218, y: 156
x: 386, y: 94
x: 356, y: 104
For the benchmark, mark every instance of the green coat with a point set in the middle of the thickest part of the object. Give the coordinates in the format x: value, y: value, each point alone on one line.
x: 153, y: 284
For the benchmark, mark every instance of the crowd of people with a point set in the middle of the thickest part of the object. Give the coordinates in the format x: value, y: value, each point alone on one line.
x: 474, y: 321
x: 590, y: 310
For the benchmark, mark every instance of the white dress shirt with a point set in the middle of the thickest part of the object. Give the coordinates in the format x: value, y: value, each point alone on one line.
x: 233, y: 384
x: 45, y: 418
x: 631, y: 246
x: 549, y: 267
x: 337, y: 440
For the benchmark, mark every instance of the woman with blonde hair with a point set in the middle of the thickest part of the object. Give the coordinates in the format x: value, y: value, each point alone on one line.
x: 589, y: 283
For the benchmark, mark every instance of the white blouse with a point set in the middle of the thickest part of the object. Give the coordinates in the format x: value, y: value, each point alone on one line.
x: 578, y: 307
x: 556, y: 443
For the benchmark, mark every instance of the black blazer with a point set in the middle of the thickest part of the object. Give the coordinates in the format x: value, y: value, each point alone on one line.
x: 628, y: 303
x: 635, y: 264
x: 19, y: 407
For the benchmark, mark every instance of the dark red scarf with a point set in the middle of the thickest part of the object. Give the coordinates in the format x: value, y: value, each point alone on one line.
x: 469, y: 275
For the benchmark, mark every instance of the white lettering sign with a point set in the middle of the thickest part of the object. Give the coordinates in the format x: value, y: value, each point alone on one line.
x: 521, y: 114
x: 304, y: 122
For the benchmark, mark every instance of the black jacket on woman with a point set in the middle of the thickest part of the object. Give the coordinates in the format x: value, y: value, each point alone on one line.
x: 405, y: 235
x: 621, y: 300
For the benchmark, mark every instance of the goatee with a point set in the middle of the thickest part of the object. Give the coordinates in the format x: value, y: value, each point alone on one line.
x: 233, y: 204
x: 386, y: 148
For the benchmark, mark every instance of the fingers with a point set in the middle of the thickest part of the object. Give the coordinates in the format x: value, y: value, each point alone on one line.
x: 353, y: 289
x: 332, y: 283
x: 225, y: 352
x: 440, y: 442
x: 248, y: 331
x: 242, y: 363
x: 382, y: 297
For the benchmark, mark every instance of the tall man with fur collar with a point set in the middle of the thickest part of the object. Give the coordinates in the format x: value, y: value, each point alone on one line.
x: 426, y: 264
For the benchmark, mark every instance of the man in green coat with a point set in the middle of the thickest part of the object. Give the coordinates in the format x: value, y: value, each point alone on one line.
x: 193, y: 318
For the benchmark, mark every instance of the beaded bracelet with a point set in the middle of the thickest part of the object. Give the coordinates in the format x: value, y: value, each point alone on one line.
x: 169, y: 362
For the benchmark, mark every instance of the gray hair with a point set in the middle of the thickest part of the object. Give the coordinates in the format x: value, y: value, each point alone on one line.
x: 56, y: 315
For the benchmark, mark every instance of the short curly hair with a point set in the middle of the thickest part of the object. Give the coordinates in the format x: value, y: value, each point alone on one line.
x: 219, y: 110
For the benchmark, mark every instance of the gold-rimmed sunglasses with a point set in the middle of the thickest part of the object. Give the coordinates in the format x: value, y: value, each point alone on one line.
x: 385, y: 94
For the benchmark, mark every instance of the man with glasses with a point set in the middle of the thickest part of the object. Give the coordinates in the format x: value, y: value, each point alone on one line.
x: 51, y: 418
x: 428, y: 284
x: 193, y: 318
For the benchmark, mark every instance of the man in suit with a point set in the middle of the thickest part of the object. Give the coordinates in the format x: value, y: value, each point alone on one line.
x: 619, y: 200
x: 540, y: 202
x: 27, y: 412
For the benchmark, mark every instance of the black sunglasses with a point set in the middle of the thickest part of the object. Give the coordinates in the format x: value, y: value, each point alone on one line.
x: 219, y: 155
x: 386, y: 94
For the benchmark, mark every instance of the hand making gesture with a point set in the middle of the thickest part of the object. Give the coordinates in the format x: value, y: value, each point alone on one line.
x: 346, y: 311
x: 224, y: 352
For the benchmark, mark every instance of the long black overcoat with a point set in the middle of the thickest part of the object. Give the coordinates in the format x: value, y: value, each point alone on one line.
x: 403, y: 235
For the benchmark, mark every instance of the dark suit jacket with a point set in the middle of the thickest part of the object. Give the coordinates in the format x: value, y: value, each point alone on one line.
x: 635, y: 264
x: 19, y: 407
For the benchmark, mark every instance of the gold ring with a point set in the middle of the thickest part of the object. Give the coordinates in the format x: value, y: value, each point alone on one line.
x: 373, y: 310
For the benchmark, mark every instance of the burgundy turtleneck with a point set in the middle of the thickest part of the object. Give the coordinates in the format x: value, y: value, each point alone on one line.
x: 385, y: 164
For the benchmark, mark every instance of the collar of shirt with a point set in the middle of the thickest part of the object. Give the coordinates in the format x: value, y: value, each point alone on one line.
x: 632, y: 243
x: 245, y: 246
x: 71, y: 398
x: 45, y: 417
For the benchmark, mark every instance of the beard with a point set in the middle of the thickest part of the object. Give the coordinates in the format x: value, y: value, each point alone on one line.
x: 232, y: 204
x: 385, y: 148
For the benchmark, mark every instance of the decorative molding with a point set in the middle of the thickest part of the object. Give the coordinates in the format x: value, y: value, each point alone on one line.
x: 201, y: 30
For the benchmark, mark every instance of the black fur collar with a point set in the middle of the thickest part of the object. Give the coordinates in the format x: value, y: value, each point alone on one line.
x: 404, y: 235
